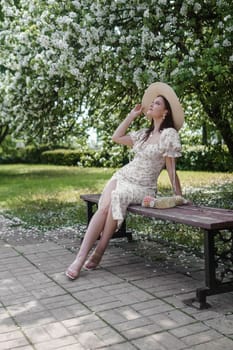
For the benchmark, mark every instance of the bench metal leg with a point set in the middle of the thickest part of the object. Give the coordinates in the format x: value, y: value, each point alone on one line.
x: 122, y: 232
x: 218, y: 254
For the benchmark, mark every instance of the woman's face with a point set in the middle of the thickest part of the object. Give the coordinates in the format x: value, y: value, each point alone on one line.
x: 157, y: 108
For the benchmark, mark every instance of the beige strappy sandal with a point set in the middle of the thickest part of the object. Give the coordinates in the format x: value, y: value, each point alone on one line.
x: 93, y: 261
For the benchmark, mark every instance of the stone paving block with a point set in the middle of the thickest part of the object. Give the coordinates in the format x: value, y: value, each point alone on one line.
x: 177, y: 301
x: 37, y: 334
x: 141, y: 322
x: 160, y: 341
x: 7, y: 325
x: 82, y: 321
x: 202, y: 337
x: 89, y: 280
x: 109, y: 336
x: 119, y: 315
x: 38, y: 247
x: 57, y: 343
x: 92, y: 294
x: 119, y: 257
x: 187, y: 330
x: 13, y: 299
x: 141, y: 331
x: 34, y: 319
x: 172, y: 319
x: 101, y: 337
x: 128, y: 293
x: 56, y: 330
x: 28, y: 347
x: 93, y: 304
x: 51, y: 290
x: 129, y: 322
x: 83, y: 328
x: 6, y: 252
x: 11, y: 336
x: 152, y: 307
x: 15, y: 264
x: 164, y: 286
x: 223, y: 325
x: 11, y: 286
x: 101, y: 277
x: 206, y: 314
x: 27, y: 270
x: 136, y: 271
x: 216, y: 344
x: 102, y: 304
x: 14, y: 344
x: 33, y: 280
x: 73, y: 347
x: 121, y: 346
x: 24, y: 308
x: 89, y: 340
x: 68, y: 312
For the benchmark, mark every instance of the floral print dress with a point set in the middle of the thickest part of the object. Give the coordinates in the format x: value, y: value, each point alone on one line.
x: 138, y: 178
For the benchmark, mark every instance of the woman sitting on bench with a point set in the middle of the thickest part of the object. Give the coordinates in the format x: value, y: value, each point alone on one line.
x: 154, y: 148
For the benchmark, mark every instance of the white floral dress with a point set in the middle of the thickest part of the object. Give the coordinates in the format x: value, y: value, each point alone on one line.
x: 138, y: 178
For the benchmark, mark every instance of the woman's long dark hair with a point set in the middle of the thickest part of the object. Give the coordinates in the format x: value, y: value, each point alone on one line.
x: 166, y: 123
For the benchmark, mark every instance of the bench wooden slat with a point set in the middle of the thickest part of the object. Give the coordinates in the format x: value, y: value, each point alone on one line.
x: 186, y: 215
x: 197, y: 216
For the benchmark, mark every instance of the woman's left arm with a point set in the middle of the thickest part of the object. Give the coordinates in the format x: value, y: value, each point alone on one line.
x: 171, y: 169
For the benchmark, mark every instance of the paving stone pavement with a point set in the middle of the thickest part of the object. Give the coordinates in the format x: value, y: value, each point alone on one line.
x: 126, y: 304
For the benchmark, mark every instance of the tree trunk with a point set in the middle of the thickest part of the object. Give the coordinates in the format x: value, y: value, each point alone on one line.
x: 222, y: 124
x: 204, y: 134
x: 4, y: 130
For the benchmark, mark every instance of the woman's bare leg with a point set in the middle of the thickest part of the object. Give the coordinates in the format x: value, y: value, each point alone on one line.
x: 95, y: 227
x: 108, y: 230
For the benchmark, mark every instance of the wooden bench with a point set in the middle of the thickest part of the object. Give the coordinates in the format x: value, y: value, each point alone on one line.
x: 213, y: 221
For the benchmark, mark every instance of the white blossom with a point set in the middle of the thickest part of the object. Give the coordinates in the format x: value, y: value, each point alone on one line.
x: 146, y: 13
x: 197, y: 7
x: 162, y: 2
x: 183, y: 10
x: 64, y: 20
x: 226, y: 43
x: 220, y: 24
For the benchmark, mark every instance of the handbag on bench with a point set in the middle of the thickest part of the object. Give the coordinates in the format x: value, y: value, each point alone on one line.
x: 163, y: 202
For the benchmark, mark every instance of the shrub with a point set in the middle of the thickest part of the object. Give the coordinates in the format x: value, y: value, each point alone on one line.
x: 210, y: 158
x: 61, y: 157
x: 32, y: 154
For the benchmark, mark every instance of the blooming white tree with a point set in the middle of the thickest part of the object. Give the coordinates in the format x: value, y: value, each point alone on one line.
x: 62, y: 57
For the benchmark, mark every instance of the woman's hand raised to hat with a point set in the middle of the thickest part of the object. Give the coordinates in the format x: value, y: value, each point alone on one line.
x: 119, y: 135
x: 136, y: 111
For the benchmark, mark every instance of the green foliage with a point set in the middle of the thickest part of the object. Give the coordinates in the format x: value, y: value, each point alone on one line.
x: 10, y: 154
x: 85, y: 157
x: 61, y: 157
x: 207, y: 158
x: 63, y: 60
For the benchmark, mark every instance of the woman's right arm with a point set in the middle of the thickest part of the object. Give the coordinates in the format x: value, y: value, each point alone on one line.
x: 120, y: 136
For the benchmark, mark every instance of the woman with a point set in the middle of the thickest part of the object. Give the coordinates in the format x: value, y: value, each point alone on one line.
x: 154, y: 148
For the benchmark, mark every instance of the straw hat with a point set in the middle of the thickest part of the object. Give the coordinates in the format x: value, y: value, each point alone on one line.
x: 157, y: 89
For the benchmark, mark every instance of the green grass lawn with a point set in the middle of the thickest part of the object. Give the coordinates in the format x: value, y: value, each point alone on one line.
x: 47, y: 196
